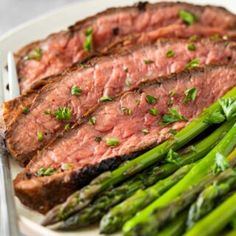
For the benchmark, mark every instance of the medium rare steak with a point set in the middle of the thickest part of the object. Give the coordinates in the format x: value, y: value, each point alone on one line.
x: 118, y: 130
x: 63, y: 103
x: 60, y: 50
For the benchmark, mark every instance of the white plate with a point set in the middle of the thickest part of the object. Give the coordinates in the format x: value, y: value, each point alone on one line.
x: 40, y: 28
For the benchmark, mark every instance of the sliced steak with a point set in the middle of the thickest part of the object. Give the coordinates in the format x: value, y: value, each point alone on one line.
x: 60, y: 50
x: 118, y: 130
x: 49, y: 114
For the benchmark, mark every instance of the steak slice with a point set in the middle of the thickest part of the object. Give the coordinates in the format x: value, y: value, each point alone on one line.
x: 107, y: 76
x: 119, y: 130
x: 60, y: 50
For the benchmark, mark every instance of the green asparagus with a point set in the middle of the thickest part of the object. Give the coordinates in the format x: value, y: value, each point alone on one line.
x: 216, y: 220
x: 111, y: 197
x: 207, y: 200
x: 176, y: 227
x: 194, y: 177
x: 115, y: 218
x: 83, y: 197
x: 160, y: 216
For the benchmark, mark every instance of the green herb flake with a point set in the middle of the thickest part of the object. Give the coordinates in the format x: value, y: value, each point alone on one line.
x: 151, y: 99
x: 221, y: 163
x: 190, y: 95
x: 170, y: 53
x: 173, y: 116
x: 172, y: 157
x: 187, y: 17
x: 75, y: 90
x: 98, y: 139
x: 63, y: 113
x: 145, y: 131
x: 193, y: 63
x: 126, y: 111
x: 92, y: 120
x: 40, y: 136
x: 112, y: 142
x: 147, y: 61
x: 105, y: 99
x: 36, y: 54
x: 193, y: 38
x: 228, y: 106
x: 172, y: 131
x: 67, y: 127
x: 153, y: 111
x: 88, y: 43
x: 25, y: 110
x: 191, y: 47
x: 46, y: 171
x: 215, y: 117
x: 66, y: 166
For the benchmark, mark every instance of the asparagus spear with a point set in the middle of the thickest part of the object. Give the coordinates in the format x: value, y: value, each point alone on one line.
x: 118, y: 215
x: 114, y: 220
x: 176, y: 227
x: 207, y: 200
x: 194, y: 177
x: 83, y: 197
x: 160, y: 216
x: 111, y: 197
x: 215, y: 221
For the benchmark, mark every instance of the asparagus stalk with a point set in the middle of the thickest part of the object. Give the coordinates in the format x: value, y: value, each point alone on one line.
x: 83, y: 197
x: 207, y: 200
x: 114, y: 220
x: 176, y: 227
x: 193, y: 178
x: 215, y: 221
x: 160, y: 216
x: 117, y: 216
x: 111, y: 197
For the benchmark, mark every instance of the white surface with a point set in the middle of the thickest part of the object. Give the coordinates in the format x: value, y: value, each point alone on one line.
x: 39, y: 28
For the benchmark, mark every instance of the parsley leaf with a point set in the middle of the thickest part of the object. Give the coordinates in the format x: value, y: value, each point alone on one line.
x: 191, y: 47
x: 46, y: 171
x: 193, y: 63
x: 88, y: 40
x: 63, y: 113
x: 170, y: 53
x: 173, y: 116
x: 40, y: 136
x: 36, y: 54
x: 190, y: 95
x: 187, y: 17
x: 153, y: 111
x: 75, y: 90
x: 151, y: 99
x: 229, y: 107
x: 215, y: 118
x: 172, y: 157
x: 112, y: 142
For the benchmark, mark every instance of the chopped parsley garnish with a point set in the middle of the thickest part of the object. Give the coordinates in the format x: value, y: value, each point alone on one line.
x: 145, y: 131
x: 46, y: 171
x: 105, y: 99
x: 191, y: 47
x: 112, y: 142
x: 36, y: 54
x: 153, y: 111
x: 66, y: 166
x: 126, y: 111
x: 92, y: 120
x: 193, y: 63
x: 193, y: 38
x: 172, y: 157
x: 25, y: 110
x: 187, y: 17
x: 229, y: 107
x: 172, y: 131
x: 170, y: 53
x: 147, y: 61
x: 215, y: 117
x: 40, y: 136
x: 75, y: 90
x: 221, y: 163
x: 151, y: 99
x: 190, y: 95
x: 67, y: 127
x: 98, y: 139
x: 88, y: 43
x: 63, y: 113
x: 173, y: 116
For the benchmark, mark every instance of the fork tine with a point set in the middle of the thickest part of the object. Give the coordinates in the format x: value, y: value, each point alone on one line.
x: 12, y: 76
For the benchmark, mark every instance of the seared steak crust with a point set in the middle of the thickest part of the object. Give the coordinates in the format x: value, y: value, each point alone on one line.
x: 61, y: 50
x: 105, y: 76
x: 80, y: 148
